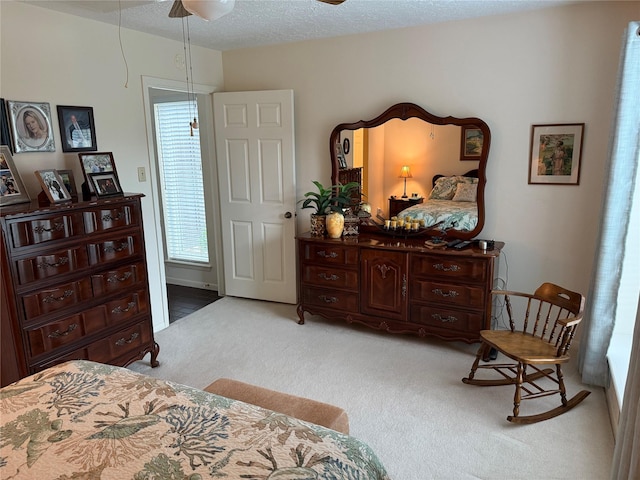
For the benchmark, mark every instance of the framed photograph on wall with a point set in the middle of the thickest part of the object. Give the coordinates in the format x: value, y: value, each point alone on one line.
x: 77, y: 129
x: 99, y: 162
x: 555, y: 154
x: 471, y: 143
x: 11, y: 187
x: 69, y: 182
x: 105, y: 184
x: 53, y: 186
x: 31, y: 126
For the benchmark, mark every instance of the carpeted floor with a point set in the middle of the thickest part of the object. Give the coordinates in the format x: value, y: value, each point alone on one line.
x: 403, y: 395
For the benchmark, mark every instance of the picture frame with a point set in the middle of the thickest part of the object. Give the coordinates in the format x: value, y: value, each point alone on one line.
x: 471, y: 142
x: 105, y: 184
x: 342, y: 161
x: 53, y: 186
x: 31, y: 127
x: 556, y: 153
x: 12, y: 189
x: 69, y: 182
x: 77, y: 129
x: 98, y: 162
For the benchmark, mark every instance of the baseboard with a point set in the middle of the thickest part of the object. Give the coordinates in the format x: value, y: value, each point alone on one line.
x: 613, y: 406
x: 188, y: 283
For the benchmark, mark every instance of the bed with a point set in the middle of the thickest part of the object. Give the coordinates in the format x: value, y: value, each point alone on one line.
x: 452, y: 203
x: 83, y: 419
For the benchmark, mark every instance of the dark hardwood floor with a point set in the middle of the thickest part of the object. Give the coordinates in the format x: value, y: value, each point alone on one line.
x: 186, y: 300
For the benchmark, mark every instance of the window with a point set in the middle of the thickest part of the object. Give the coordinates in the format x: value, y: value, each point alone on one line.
x: 181, y: 184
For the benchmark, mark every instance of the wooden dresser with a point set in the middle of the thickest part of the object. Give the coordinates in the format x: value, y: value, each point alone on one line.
x: 398, y: 285
x: 74, y: 285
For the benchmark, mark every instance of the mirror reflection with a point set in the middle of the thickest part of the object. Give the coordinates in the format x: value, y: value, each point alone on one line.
x: 397, y: 157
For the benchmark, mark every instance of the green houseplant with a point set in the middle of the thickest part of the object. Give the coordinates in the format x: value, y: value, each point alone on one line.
x: 327, y: 200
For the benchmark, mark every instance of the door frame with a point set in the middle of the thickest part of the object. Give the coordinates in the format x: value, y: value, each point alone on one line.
x: 208, y: 151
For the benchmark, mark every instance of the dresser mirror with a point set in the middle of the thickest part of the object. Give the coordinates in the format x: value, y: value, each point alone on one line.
x: 401, y: 152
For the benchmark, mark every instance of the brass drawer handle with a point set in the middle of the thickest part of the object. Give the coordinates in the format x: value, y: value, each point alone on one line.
x: 404, y: 285
x: 119, y: 309
x: 58, y: 333
x: 324, y: 254
x: 112, y: 249
x: 331, y: 277
x: 441, y: 267
x: 115, y: 278
x: 450, y: 293
x: 56, y: 228
x: 109, y: 218
x: 327, y: 299
x: 450, y: 318
x: 51, y: 298
x: 122, y: 341
x: 59, y: 263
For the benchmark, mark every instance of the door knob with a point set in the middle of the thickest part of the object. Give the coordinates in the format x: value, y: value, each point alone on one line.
x: 287, y: 215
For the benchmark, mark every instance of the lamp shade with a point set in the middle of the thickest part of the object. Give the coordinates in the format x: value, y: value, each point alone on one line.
x: 209, y: 9
x: 405, y: 172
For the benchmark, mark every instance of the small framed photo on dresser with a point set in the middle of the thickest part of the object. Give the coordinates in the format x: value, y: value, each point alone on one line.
x: 53, y: 186
x: 105, y: 184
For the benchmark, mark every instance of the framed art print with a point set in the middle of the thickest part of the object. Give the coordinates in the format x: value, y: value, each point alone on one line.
x: 53, y: 186
x: 11, y: 187
x: 31, y: 128
x: 105, y: 184
x: 99, y: 162
x: 555, y: 154
x: 471, y: 143
x: 69, y: 182
x: 77, y: 129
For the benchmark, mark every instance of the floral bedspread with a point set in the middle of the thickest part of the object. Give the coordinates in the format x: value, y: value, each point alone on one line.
x: 93, y: 421
x: 457, y: 215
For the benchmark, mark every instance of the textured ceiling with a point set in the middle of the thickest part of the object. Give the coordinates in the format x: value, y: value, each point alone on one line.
x: 268, y: 22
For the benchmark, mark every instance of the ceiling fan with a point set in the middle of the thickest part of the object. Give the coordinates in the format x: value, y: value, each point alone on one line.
x: 212, y: 9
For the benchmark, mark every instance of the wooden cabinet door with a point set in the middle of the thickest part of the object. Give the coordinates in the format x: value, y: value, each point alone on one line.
x: 385, y: 283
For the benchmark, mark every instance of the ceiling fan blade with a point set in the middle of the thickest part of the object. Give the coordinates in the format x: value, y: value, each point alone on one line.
x: 332, y: 2
x: 177, y: 10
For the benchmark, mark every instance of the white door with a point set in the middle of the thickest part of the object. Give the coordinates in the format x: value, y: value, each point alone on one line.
x: 256, y: 176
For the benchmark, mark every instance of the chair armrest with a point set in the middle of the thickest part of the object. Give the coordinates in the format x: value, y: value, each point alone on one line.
x: 569, y: 321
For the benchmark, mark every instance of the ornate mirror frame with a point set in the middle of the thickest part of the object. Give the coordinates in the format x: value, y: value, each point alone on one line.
x: 404, y: 111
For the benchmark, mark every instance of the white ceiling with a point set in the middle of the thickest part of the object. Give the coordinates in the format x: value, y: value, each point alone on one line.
x: 269, y: 22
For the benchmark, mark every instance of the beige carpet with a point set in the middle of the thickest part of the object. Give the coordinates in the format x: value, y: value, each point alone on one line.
x: 403, y: 395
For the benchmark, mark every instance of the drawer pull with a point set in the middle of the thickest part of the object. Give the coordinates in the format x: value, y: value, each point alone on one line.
x: 111, y: 249
x: 115, y: 278
x: 58, y: 333
x: 59, y: 263
x: 450, y: 293
x: 122, y: 341
x: 441, y: 267
x: 109, y: 218
x: 450, y: 318
x: 56, y: 228
x: 404, y: 285
x: 324, y: 254
x: 119, y: 309
x: 327, y: 299
x: 333, y: 277
x: 51, y: 298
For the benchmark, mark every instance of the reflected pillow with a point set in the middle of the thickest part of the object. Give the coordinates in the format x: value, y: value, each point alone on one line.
x: 445, y: 187
x: 466, y: 192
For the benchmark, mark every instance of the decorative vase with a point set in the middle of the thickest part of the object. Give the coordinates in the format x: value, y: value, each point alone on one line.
x: 318, y: 225
x: 335, y: 224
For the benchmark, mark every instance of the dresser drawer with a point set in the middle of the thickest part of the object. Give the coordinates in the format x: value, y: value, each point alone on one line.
x: 42, y: 230
x: 447, y: 319
x: 452, y: 294
x: 101, y: 219
x: 115, y: 249
x: 330, y: 254
x: 53, y: 299
x: 124, y: 308
x: 118, y: 279
x: 63, y: 332
x: 40, y: 267
x: 330, y: 277
x: 334, y: 299
x: 125, y: 341
x: 470, y: 269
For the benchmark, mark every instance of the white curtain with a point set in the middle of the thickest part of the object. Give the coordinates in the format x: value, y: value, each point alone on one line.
x: 624, y: 151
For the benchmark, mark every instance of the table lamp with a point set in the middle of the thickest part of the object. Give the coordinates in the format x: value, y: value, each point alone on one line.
x: 405, y: 173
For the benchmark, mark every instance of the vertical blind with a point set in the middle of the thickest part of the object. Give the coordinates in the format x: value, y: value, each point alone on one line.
x: 181, y: 182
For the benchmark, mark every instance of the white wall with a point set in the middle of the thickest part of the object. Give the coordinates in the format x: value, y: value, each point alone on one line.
x: 61, y: 59
x: 547, y: 66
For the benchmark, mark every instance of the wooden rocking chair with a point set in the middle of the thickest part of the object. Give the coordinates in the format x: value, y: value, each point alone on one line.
x: 550, y: 318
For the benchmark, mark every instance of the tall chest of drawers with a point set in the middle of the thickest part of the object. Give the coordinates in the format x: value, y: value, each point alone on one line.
x: 398, y: 285
x: 74, y: 285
